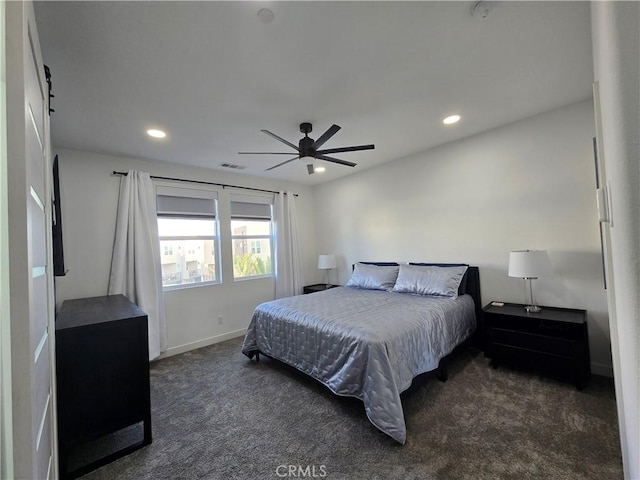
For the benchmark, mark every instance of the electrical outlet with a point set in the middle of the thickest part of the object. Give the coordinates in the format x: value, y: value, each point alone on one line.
x: 219, y: 319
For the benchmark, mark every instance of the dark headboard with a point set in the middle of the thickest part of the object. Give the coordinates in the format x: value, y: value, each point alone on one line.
x: 473, y: 287
x: 380, y: 264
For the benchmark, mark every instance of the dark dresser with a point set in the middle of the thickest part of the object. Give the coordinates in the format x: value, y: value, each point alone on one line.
x: 102, y: 367
x: 554, y: 341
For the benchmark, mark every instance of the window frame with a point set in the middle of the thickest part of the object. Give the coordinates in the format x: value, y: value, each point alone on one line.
x: 191, y: 192
x: 248, y: 238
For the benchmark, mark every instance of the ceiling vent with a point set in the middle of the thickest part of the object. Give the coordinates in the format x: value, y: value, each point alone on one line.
x: 232, y: 166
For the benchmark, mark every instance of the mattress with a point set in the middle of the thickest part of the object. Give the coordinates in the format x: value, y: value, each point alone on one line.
x: 367, y: 344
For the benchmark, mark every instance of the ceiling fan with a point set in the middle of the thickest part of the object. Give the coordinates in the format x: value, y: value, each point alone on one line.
x: 308, y: 148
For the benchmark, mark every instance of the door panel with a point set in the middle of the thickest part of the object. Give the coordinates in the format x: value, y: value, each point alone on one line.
x: 32, y: 429
x: 34, y: 154
x: 41, y: 392
x: 38, y: 313
x: 35, y: 90
x: 37, y: 232
x: 43, y: 458
x: 39, y: 245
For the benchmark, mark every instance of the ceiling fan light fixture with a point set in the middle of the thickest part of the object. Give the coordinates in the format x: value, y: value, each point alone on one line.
x: 309, y: 150
x: 451, y: 119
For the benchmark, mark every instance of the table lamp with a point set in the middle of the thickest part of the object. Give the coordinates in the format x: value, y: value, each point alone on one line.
x: 326, y: 263
x: 529, y: 264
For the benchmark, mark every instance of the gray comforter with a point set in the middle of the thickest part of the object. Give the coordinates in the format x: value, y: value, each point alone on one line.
x: 368, y: 344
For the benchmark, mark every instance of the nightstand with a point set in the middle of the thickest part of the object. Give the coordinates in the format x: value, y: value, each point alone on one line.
x: 554, y: 341
x: 318, y: 287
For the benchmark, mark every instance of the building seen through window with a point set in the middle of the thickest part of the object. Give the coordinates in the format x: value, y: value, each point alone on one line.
x: 188, y: 256
x: 188, y: 232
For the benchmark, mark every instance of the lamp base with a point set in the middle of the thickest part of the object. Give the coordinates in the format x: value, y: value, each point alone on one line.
x: 533, y: 309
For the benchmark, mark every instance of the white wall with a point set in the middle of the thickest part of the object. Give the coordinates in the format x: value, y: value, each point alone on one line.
x: 530, y: 184
x: 616, y: 38
x: 89, y: 194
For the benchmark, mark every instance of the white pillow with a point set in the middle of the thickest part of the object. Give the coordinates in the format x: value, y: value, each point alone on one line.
x: 373, y: 277
x: 429, y: 280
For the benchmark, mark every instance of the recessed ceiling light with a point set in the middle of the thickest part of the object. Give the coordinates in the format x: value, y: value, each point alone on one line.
x: 451, y: 119
x: 319, y: 169
x: 265, y: 15
x: 155, y: 133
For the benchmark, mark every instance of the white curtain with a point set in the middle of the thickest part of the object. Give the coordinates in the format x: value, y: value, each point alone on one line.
x: 135, y: 266
x: 288, y: 266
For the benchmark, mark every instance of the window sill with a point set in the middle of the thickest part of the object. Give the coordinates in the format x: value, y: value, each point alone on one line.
x: 183, y: 286
x: 254, y: 277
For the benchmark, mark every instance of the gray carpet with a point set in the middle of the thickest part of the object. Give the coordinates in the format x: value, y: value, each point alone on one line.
x: 217, y: 415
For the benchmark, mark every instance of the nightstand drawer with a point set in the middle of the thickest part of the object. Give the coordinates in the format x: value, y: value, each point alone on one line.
x: 535, y: 326
x: 318, y: 287
x: 557, y: 346
x: 548, y: 362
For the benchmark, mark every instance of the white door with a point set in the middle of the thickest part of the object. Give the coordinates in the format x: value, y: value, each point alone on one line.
x: 31, y: 277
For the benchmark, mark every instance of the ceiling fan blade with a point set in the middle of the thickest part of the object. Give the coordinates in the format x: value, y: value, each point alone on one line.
x: 333, y: 129
x: 310, y: 169
x: 280, y: 139
x: 283, y: 163
x: 264, y: 153
x: 336, y: 160
x: 347, y: 149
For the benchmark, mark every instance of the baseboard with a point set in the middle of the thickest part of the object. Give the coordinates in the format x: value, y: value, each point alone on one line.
x: 201, y: 343
x: 602, y: 370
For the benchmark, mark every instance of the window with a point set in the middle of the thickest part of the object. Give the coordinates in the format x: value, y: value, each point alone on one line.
x: 251, y: 235
x: 188, y: 231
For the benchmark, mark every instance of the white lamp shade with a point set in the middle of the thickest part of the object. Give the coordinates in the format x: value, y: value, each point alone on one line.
x: 529, y: 263
x: 326, y: 262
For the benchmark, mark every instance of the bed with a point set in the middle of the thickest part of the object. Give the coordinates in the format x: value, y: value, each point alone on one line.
x: 370, y: 338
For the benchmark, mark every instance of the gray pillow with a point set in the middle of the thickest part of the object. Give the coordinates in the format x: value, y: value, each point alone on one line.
x: 429, y: 280
x: 373, y: 277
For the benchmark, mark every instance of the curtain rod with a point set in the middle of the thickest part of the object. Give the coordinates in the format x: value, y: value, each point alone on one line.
x: 223, y: 185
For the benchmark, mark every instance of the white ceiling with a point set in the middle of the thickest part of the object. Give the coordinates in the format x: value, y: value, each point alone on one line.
x: 213, y: 75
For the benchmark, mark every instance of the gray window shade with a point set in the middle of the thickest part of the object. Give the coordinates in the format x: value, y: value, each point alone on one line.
x: 250, y: 211
x: 179, y: 201
x: 186, y: 206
